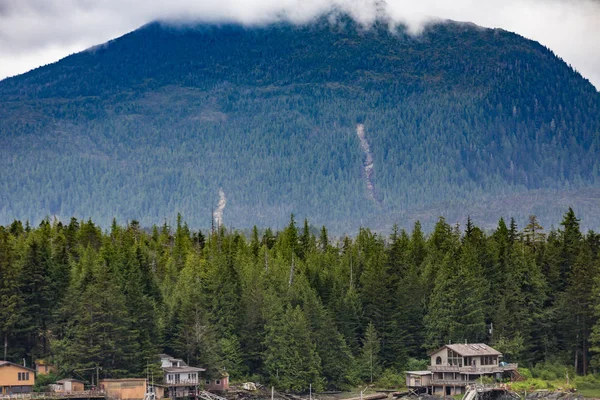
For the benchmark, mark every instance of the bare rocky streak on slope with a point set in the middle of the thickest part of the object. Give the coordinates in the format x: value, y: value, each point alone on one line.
x: 368, y: 163
x: 218, y: 213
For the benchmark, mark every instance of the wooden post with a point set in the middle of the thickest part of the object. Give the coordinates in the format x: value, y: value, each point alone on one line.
x: 272, y: 392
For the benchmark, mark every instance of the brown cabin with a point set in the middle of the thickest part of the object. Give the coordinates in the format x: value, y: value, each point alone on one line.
x: 220, y: 384
x: 15, y: 378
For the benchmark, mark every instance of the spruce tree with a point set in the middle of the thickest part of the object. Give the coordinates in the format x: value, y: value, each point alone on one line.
x: 291, y: 359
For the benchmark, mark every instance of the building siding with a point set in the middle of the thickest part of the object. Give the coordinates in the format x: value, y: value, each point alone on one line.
x: 16, y: 379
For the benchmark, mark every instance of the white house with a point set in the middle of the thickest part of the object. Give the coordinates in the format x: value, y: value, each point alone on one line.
x: 180, y: 379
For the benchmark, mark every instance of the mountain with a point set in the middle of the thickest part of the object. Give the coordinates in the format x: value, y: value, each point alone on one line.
x: 336, y: 122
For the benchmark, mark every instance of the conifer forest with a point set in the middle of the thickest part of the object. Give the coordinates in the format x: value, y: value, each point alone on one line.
x: 296, y: 307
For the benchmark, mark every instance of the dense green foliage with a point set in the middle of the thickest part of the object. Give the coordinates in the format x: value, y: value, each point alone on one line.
x: 293, y: 308
x: 153, y: 123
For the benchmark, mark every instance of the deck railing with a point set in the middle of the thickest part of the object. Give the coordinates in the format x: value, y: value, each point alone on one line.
x: 450, y: 382
x: 482, y: 369
x: 183, y: 382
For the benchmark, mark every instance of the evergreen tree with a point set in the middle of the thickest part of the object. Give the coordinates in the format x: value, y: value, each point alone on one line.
x: 369, y: 359
x: 10, y: 300
x: 291, y: 359
x: 35, y: 290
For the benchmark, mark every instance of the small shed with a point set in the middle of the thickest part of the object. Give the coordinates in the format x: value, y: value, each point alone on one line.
x: 131, y: 388
x: 418, y: 379
x: 220, y: 384
x: 68, y: 386
x: 158, y: 390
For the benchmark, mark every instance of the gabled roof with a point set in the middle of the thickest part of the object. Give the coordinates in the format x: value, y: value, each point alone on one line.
x: 469, y: 350
x: 182, y: 369
x: 69, y: 380
x: 8, y: 363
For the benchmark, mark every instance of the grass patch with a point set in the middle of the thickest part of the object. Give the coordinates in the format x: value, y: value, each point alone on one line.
x: 590, y: 393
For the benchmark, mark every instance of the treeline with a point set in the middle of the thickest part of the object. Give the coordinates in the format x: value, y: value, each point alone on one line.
x: 295, y: 307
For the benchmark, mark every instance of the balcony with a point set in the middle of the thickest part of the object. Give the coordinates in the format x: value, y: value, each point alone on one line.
x: 182, y: 382
x: 482, y: 369
x: 450, y: 382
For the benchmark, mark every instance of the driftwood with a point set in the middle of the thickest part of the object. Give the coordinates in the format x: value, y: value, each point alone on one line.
x: 376, y: 396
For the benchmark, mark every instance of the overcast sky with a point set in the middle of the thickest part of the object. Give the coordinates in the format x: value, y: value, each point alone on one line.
x: 37, y: 32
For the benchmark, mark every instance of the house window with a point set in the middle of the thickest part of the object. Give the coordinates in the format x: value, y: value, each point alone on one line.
x: 454, y: 358
x: 207, y: 382
x: 218, y: 382
x: 438, y: 360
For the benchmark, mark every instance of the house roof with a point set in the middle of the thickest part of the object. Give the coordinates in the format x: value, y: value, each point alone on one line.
x: 468, y: 350
x: 419, y: 372
x: 8, y: 363
x: 182, y: 369
x: 69, y: 380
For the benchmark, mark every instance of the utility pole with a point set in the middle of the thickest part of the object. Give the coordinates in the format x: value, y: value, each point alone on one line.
x: 97, y: 368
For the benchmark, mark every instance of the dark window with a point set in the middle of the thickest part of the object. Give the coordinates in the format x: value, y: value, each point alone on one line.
x: 218, y: 382
x: 438, y: 360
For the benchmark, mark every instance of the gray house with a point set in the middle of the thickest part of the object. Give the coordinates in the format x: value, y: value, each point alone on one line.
x: 454, y: 366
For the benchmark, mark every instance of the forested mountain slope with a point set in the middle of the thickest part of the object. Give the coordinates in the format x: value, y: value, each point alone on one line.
x: 155, y: 122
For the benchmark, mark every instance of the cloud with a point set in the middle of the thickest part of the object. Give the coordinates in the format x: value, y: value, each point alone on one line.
x: 36, y: 32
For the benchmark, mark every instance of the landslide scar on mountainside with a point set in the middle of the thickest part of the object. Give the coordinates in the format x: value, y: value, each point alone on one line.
x: 368, y: 163
x: 218, y: 213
